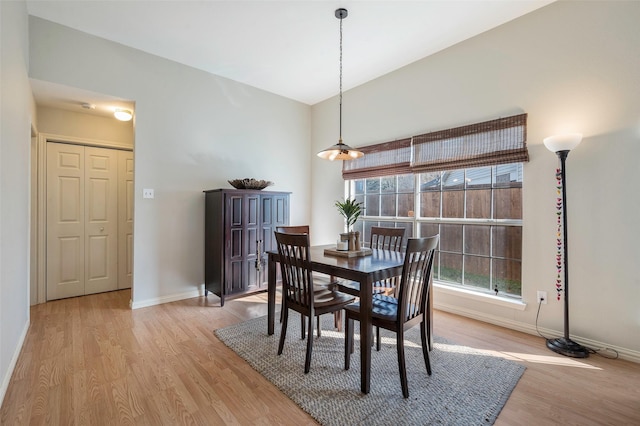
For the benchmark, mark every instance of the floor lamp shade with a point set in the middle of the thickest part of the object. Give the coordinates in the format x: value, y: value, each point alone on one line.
x: 562, y: 142
x: 561, y: 145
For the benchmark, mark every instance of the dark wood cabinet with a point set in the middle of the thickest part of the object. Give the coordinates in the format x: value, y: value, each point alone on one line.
x: 239, y: 227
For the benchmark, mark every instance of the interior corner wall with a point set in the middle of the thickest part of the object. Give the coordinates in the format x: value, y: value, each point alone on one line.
x: 193, y: 132
x: 16, y: 102
x: 571, y: 66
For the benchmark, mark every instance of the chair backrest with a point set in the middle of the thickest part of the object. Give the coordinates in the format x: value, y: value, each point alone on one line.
x: 416, y: 277
x: 295, y: 266
x: 386, y: 238
x: 294, y: 229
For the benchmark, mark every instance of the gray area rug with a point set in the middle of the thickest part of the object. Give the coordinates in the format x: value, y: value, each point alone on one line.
x: 466, y: 387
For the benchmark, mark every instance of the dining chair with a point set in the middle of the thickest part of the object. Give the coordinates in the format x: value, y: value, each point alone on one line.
x: 321, y: 282
x: 297, y: 288
x: 385, y: 239
x: 404, y: 312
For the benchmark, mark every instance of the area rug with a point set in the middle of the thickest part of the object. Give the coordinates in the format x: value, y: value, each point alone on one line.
x: 467, y: 387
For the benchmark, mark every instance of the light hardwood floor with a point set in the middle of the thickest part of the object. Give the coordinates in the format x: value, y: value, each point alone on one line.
x: 92, y: 361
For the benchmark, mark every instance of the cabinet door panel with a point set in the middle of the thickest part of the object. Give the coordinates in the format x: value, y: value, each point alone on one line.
x: 281, y: 210
x: 236, y: 246
x: 236, y: 276
x: 236, y: 215
x: 253, y: 210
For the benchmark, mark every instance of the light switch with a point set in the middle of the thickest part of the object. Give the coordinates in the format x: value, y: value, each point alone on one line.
x: 147, y: 193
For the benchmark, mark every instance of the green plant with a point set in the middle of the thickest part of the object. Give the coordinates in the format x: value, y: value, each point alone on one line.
x: 351, y: 210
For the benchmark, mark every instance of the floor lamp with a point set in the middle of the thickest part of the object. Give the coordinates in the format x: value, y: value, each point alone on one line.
x: 561, y: 145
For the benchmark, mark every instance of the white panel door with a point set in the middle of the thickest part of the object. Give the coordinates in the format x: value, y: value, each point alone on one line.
x: 125, y: 219
x: 101, y: 220
x: 65, y: 221
x: 82, y: 220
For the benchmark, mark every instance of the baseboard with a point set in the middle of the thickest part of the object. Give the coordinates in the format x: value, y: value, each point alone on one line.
x: 167, y: 299
x: 623, y: 353
x: 14, y: 360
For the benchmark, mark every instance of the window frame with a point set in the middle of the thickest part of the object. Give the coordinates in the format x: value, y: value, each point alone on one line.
x: 416, y: 221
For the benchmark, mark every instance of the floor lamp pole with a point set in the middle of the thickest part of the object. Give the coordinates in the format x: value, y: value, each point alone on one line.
x: 564, y: 345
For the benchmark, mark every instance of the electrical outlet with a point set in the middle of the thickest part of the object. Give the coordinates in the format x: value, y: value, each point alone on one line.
x: 147, y: 193
x: 542, y: 295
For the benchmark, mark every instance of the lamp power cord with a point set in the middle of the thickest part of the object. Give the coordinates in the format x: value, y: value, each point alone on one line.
x: 603, y: 352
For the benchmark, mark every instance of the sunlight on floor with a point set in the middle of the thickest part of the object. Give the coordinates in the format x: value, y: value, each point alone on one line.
x: 532, y: 358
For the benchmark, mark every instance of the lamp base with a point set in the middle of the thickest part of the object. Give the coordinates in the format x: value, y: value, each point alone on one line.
x: 567, y: 347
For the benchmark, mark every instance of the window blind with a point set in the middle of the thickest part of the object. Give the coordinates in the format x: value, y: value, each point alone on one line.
x: 482, y: 144
x: 383, y: 159
x: 499, y: 141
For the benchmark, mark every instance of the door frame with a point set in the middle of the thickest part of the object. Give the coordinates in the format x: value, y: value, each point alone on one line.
x: 41, y: 199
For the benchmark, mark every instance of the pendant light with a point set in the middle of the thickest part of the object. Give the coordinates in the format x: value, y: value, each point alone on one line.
x: 340, y: 151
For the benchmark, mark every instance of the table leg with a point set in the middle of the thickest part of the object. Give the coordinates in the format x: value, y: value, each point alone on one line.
x: 366, y: 339
x: 271, y: 294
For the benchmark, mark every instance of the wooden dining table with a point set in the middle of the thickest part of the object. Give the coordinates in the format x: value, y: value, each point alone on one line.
x: 366, y: 270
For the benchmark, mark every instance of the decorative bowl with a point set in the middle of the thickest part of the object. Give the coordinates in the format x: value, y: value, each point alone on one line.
x: 250, y: 183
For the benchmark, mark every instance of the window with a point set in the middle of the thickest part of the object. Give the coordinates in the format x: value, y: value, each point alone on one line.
x: 463, y: 183
x: 476, y: 211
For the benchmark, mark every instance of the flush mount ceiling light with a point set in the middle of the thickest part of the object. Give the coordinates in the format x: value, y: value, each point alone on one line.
x: 123, y: 114
x: 340, y: 151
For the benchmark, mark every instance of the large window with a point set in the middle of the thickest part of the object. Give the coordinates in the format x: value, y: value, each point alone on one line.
x: 477, y: 212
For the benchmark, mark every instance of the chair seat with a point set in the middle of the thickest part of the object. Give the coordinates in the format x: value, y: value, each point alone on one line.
x: 382, y: 307
x: 331, y: 298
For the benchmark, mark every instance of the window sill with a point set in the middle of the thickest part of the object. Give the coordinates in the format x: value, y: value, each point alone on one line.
x: 485, y: 298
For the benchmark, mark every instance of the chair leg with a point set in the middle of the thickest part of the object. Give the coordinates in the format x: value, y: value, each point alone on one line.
x: 378, y: 339
x: 337, y: 320
x: 425, y: 345
x: 348, y: 341
x: 303, y: 327
x: 307, y: 362
x: 283, y: 330
x: 401, y: 363
x: 319, y: 330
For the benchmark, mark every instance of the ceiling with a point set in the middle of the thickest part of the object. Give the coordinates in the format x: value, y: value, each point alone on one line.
x: 290, y: 48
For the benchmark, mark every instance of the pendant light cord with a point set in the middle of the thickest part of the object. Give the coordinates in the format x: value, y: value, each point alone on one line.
x: 340, y: 140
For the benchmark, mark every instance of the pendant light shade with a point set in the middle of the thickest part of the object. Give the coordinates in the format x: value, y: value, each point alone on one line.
x: 340, y: 151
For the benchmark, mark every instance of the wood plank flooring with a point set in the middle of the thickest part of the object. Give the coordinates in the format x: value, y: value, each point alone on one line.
x: 92, y: 361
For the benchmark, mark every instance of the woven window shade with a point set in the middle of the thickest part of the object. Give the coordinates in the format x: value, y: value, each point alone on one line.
x: 483, y: 144
x: 384, y: 159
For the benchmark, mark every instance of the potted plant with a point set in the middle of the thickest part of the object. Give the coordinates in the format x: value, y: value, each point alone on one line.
x: 351, y: 210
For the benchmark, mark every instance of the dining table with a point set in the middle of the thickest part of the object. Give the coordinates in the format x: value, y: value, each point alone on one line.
x: 365, y: 270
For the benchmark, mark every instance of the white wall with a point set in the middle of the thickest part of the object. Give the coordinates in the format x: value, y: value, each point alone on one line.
x: 572, y: 66
x: 193, y: 131
x: 16, y: 110
x: 81, y: 125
